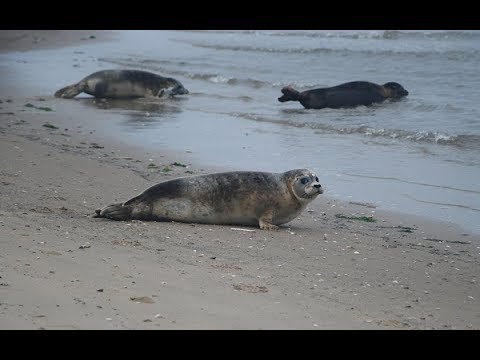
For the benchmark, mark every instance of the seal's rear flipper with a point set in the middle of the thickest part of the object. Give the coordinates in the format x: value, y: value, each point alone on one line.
x: 114, y: 212
x: 69, y: 91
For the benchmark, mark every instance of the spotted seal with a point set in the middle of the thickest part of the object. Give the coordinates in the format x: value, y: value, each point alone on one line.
x: 247, y: 198
x: 346, y: 95
x: 123, y: 84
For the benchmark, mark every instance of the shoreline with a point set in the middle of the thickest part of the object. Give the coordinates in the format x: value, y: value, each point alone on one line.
x: 61, y: 269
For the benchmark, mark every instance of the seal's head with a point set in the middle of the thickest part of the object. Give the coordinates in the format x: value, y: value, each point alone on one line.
x: 395, y: 90
x: 303, y: 184
x: 175, y: 87
x: 179, y: 90
x: 289, y: 94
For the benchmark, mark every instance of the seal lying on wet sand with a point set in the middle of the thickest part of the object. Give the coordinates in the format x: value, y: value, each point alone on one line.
x: 237, y: 198
x: 350, y: 94
x: 123, y: 84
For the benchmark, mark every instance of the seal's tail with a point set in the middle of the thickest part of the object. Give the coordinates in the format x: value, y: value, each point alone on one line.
x: 69, y: 91
x: 115, y: 212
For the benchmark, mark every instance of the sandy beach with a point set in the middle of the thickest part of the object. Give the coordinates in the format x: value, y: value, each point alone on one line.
x: 328, y: 269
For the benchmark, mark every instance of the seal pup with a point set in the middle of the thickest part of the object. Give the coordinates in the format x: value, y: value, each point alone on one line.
x: 123, y: 84
x: 247, y: 198
x: 346, y: 95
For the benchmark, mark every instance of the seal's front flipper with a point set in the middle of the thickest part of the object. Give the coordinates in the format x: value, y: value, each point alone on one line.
x: 115, y: 212
x: 265, y: 221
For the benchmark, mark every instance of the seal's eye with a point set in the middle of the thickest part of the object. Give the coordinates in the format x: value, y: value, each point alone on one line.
x: 316, y: 179
x: 304, y: 180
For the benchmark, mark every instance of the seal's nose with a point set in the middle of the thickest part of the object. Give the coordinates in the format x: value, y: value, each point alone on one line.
x: 179, y: 90
x: 319, y: 188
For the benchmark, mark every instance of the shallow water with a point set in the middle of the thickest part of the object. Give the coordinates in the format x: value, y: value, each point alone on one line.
x: 420, y: 155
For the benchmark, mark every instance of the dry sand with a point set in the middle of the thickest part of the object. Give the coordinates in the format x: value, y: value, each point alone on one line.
x: 62, y: 269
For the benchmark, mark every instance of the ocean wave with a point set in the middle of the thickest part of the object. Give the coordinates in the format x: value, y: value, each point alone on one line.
x: 243, y: 98
x: 246, y: 32
x: 214, y: 78
x: 298, y: 85
x: 438, y: 34
x: 220, y: 79
x: 164, y: 62
x: 156, y: 66
x: 381, y: 34
x: 421, y: 105
x: 355, y: 34
x: 460, y: 141
x: 449, y: 54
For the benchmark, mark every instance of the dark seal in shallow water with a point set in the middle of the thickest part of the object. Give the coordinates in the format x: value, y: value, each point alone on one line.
x: 247, y: 198
x: 123, y: 84
x: 351, y: 94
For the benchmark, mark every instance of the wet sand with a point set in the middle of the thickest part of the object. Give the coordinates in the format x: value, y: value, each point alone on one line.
x: 328, y: 269
x: 26, y: 40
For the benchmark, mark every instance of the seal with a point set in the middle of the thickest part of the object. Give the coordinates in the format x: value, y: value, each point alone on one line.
x: 350, y: 94
x: 247, y: 198
x: 123, y: 84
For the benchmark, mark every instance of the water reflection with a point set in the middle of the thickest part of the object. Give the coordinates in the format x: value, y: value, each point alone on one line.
x: 158, y: 106
x: 139, y: 113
